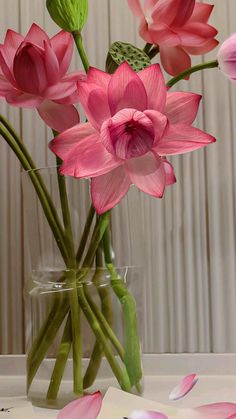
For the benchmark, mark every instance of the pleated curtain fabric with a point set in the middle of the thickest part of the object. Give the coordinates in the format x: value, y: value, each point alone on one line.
x: 188, y: 237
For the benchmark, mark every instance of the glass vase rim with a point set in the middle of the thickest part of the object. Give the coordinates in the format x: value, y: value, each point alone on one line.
x: 37, y: 169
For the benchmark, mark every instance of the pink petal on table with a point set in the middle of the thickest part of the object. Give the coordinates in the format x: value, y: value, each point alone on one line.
x: 216, y: 411
x: 182, y: 138
x: 184, y: 387
x: 69, y: 139
x: 126, y: 90
x: 136, y: 8
x: 98, y: 77
x: 107, y: 190
x: 174, y: 60
x: 141, y: 414
x: 58, y: 117
x: 87, y: 407
x: 154, y: 84
x: 181, y: 107
x: 62, y: 44
x: 147, y: 174
x: 89, y: 158
x: 36, y: 35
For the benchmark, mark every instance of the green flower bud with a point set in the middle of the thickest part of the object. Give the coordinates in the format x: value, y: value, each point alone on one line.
x: 70, y: 15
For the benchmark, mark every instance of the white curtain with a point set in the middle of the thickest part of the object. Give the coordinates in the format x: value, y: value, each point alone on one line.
x: 189, y: 240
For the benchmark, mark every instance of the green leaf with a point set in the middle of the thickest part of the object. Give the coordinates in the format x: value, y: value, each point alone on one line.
x: 122, y: 51
x: 70, y: 15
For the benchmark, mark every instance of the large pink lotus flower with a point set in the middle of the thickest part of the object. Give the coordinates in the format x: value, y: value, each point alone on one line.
x: 33, y: 75
x: 227, y: 57
x: 179, y: 27
x: 133, y: 124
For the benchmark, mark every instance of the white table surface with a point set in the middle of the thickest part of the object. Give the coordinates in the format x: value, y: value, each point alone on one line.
x: 217, y: 378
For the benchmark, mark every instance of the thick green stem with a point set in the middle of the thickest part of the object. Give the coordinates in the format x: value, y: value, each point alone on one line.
x: 61, y: 361
x: 132, y: 358
x: 59, y: 237
x: 79, y: 44
x: 186, y: 73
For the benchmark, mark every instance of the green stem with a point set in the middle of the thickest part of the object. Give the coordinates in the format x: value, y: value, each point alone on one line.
x: 121, y: 375
x: 39, y: 189
x: 153, y: 52
x: 132, y: 358
x: 199, y: 67
x: 85, y: 234
x: 61, y: 360
x: 32, y: 166
x: 79, y: 44
x: 147, y: 48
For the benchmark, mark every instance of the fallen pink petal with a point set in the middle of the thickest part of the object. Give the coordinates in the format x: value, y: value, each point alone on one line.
x: 184, y: 387
x: 87, y: 407
x: 141, y: 414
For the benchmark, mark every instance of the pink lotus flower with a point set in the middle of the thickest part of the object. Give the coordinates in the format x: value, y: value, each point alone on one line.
x: 179, y: 27
x: 133, y: 124
x: 33, y: 75
x: 184, y: 387
x: 227, y: 57
x: 87, y: 407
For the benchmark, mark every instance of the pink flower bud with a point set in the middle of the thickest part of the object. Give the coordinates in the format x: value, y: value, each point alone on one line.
x: 227, y: 57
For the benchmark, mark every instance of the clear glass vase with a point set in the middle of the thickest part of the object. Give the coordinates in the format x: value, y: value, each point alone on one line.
x: 83, y: 313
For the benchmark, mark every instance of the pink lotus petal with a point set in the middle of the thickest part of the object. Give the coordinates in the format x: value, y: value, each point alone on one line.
x: 89, y: 158
x: 60, y: 90
x: 165, y: 11
x: 98, y: 77
x: 136, y: 8
x: 25, y: 100
x: 29, y: 69
x: 181, y: 138
x: 126, y: 90
x: 159, y: 121
x: 58, y: 117
x: 36, y: 35
x: 12, y: 42
x: 201, y: 12
x: 216, y: 411
x: 87, y: 407
x: 6, y: 65
x: 141, y: 414
x: 154, y: 84
x: 203, y: 48
x: 148, y: 174
x: 169, y: 172
x: 5, y: 86
x: 182, y: 107
x: 184, y: 12
x: 68, y: 140
x: 51, y: 64
x: 184, y: 387
x: 128, y: 134
x: 107, y: 190
x: 174, y: 60
x: 62, y: 44
x: 95, y: 103
x: 195, y: 33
